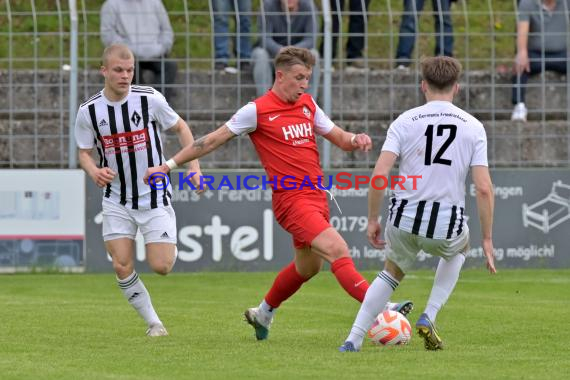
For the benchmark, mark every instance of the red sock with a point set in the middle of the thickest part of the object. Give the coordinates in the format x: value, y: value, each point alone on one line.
x: 349, y: 278
x: 287, y: 282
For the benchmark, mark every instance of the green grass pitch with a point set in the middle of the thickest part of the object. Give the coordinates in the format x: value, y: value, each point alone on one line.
x: 509, y: 326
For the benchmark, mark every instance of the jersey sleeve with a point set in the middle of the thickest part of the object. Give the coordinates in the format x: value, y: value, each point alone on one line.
x: 163, y: 113
x: 84, y: 133
x: 323, y: 124
x: 480, y: 152
x: 393, y: 139
x: 244, y: 121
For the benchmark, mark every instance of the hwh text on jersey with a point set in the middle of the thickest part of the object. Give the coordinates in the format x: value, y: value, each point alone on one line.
x: 297, y: 130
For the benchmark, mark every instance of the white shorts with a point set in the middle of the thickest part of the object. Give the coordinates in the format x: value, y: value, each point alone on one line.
x: 157, y: 225
x: 403, y: 247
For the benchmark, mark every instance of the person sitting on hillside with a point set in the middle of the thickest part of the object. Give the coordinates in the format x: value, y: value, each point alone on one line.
x: 541, y: 45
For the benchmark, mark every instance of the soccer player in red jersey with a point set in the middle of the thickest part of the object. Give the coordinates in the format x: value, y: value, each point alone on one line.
x: 282, y: 125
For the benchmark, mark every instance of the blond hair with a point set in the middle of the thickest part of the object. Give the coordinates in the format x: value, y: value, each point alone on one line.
x: 290, y: 56
x: 441, y: 73
x: 120, y: 50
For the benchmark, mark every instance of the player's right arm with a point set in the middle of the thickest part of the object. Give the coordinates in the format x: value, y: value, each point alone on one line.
x: 383, y: 166
x: 242, y: 122
x: 485, y: 206
x: 199, y: 148
x: 85, y: 140
x: 385, y: 163
x: 101, y: 176
x: 204, y: 145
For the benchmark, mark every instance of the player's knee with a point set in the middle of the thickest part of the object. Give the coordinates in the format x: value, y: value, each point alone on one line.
x: 162, y: 269
x: 394, y: 270
x: 337, y: 251
x: 123, y: 270
x: 332, y: 251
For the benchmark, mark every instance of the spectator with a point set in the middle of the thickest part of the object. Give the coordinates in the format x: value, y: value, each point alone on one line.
x: 142, y: 25
x: 284, y: 23
x: 242, y: 44
x: 356, y: 30
x: 541, y: 45
x: 408, y: 28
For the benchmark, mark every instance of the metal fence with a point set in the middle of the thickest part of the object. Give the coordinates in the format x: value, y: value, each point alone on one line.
x: 36, y: 67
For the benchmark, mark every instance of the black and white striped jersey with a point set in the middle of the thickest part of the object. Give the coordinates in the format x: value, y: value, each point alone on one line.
x: 439, y: 142
x: 126, y: 135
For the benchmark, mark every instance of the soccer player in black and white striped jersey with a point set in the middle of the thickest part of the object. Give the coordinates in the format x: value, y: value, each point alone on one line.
x: 441, y: 143
x: 122, y: 122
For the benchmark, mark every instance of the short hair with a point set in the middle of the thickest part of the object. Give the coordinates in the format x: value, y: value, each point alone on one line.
x: 441, y: 73
x: 290, y: 56
x: 120, y: 50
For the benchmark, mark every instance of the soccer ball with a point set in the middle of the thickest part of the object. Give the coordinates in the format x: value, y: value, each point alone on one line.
x: 390, y: 328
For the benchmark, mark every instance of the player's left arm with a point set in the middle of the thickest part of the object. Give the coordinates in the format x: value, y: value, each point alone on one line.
x: 382, y: 169
x: 348, y: 141
x: 186, y: 138
x: 485, y: 196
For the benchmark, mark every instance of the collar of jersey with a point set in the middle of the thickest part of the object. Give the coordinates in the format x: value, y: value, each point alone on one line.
x: 117, y: 103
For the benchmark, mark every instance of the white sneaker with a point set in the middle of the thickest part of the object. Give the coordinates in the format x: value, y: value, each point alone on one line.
x: 156, y: 330
x: 519, y: 112
x: 403, y: 69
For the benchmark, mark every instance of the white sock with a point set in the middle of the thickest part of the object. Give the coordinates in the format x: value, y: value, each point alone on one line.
x: 446, y: 277
x: 375, y: 300
x: 135, y: 292
x: 266, y: 308
x: 265, y: 313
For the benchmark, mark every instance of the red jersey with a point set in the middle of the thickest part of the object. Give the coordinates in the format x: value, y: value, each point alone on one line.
x: 284, y: 137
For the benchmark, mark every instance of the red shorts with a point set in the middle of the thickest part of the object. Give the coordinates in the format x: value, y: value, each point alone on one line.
x: 304, y: 214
